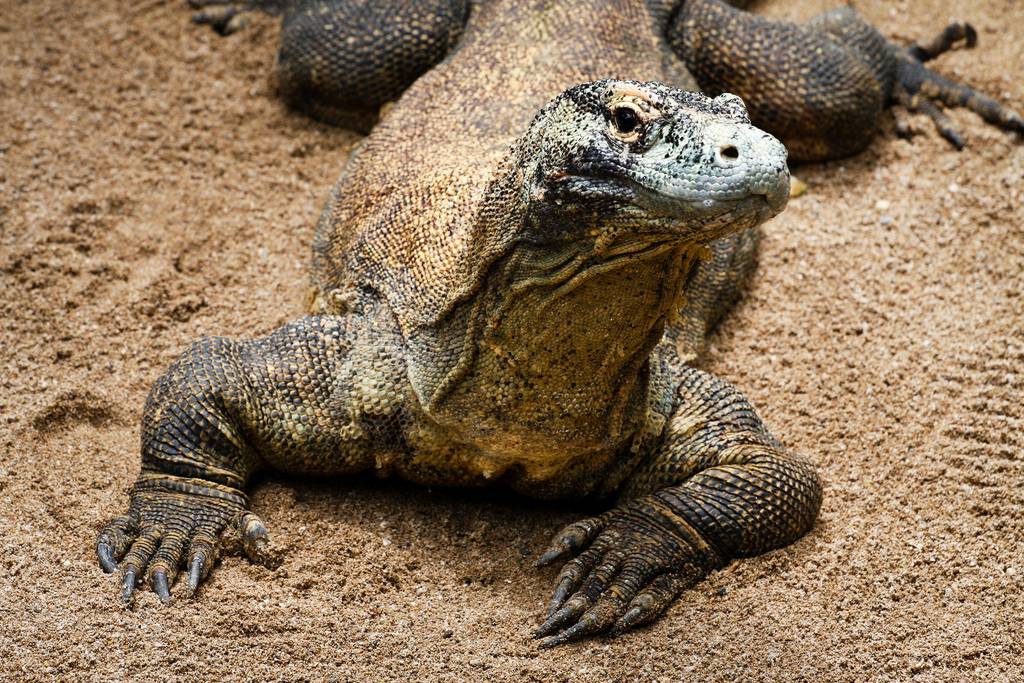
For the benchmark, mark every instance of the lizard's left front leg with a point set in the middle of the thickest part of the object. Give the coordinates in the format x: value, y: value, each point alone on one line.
x: 718, y: 487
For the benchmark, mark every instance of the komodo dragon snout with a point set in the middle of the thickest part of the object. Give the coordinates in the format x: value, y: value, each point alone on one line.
x: 651, y: 156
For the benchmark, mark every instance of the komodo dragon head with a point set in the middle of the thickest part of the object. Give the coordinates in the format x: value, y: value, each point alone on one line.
x: 576, y: 261
x: 651, y: 163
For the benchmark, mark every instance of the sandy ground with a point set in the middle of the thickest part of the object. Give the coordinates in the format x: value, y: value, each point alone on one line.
x: 152, y: 190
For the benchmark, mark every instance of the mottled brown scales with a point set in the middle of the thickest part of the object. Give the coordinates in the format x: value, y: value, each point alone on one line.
x: 513, y: 273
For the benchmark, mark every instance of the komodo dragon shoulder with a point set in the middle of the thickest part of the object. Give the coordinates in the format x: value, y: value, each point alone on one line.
x: 515, y: 270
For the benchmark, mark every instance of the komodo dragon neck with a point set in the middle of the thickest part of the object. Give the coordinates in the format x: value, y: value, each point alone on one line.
x: 554, y: 343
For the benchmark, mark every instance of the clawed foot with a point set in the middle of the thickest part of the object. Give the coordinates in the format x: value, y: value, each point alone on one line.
x: 175, y: 522
x: 228, y: 16
x: 918, y: 89
x: 629, y: 565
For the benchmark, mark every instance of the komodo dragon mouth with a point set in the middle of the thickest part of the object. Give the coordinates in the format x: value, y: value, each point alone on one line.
x: 663, y: 217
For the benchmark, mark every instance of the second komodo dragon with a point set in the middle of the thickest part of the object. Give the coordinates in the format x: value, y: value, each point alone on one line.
x: 513, y: 274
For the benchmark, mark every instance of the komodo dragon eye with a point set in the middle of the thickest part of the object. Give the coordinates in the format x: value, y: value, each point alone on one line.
x: 626, y: 118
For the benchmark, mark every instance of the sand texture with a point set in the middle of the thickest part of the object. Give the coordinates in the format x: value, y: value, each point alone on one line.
x: 153, y: 190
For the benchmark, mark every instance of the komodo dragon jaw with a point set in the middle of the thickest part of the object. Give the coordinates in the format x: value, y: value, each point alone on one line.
x: 648, y: 159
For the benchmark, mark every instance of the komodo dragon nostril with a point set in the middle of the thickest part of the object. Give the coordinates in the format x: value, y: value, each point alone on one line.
x: 729, y: 152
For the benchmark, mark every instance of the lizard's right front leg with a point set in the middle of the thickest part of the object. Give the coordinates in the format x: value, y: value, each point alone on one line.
x: 311, y: 397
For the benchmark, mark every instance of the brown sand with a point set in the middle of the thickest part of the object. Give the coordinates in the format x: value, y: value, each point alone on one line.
x: 152, y: 190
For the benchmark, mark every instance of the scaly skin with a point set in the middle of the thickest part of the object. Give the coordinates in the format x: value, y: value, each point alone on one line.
x: 502, y: 296
x: 821, y: 88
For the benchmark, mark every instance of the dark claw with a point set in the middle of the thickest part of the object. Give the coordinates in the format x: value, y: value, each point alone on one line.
x: 548, y: 643
x: 945, y: 41
x: 550, y: 556
x: 586, y: 625
x: 106, y: 557
x: 953, y: 137
x: 558, y: 619
x: 942, y: 123
x: 547, y: 627
x: 218, y: 17
x: 570, y: 540
x: 562, y: 592
x: 128, y: 587
x: 629, y: 620
x: 160, y: 586
x: 1015, y: 122
x: 195, y: 574
x: 970, y: 36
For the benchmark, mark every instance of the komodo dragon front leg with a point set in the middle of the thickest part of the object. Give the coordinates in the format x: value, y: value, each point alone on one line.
x: 821, y: 87
x: 313, y: 396
x: 719, y: 487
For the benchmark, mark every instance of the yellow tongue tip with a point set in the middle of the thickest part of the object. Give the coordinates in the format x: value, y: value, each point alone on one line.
x: 796, y: 187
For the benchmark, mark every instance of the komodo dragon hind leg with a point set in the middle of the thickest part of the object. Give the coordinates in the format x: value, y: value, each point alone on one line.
x: 719, y: 486
x: 915, y: 87
x: 822, y: 87
x: 340, y: 60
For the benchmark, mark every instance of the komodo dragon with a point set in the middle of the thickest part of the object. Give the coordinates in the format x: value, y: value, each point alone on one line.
x: 515, y: 270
